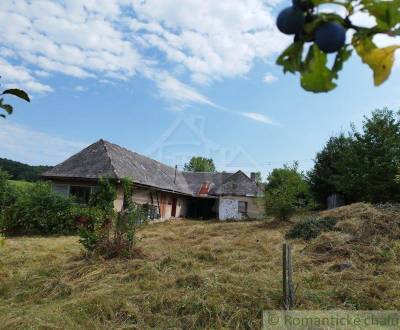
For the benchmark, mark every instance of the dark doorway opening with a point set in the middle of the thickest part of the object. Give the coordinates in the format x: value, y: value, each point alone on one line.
x: 173, y: 211
x: 202, y: 208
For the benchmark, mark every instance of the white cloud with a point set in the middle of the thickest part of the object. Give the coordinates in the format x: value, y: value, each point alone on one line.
x: 111, y: 39
x: 26, y: 145
x: 172, y: 89
x: 258, y: 117
x: 269, y: 78
x: 79, y: 39
x: 80, y: 88
x: 41, y: 73
x: 19, y: 76
x: 212, y: 39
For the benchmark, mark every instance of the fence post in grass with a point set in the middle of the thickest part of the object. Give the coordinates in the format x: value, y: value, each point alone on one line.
x: 287, y: 279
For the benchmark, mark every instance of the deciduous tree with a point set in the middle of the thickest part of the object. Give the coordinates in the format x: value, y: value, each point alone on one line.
x: 200, y: 164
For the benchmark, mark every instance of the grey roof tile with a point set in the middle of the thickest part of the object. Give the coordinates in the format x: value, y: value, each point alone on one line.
x: 105, y: 159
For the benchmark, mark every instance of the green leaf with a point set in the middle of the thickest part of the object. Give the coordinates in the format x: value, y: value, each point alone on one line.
x: 316, y: 77
x: 321, y: 2
x: 19, y: 93
x: 8, y: 108
x: 342, y: 56
x: 290, y: 59
x: 380, y: 60
x: 387, y: 13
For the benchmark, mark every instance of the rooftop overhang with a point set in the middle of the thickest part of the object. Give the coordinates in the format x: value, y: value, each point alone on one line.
x: 67, y: 179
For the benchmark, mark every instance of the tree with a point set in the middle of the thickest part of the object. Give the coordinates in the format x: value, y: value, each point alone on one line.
x: 258, y: 178
x: 362, y: 166
x: 16, y: 92
x: 286, y: 192
x: 322, y: 177
x: 326, y: 32
x: 21, y: 171
x: 200, y: 164
x: 371, y: 168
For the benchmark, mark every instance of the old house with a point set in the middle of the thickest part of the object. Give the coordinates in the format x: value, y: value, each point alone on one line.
x: 164, y: 189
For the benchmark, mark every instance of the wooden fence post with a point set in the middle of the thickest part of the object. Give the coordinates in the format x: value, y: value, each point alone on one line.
x: 287, y: 278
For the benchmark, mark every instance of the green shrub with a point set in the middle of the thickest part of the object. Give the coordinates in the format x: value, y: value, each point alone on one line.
x: 310, y: 228
x: 286, y: 193
x: 89, y: 221
x: 106, y: 232
x: 35, y: 209
x: 7, y: 191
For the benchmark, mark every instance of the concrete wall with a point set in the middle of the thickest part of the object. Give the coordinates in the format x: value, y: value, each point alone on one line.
x: 229, y: 208
x: 119, y: 201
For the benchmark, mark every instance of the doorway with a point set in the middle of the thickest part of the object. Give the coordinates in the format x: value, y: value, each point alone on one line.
x: 173, y: 211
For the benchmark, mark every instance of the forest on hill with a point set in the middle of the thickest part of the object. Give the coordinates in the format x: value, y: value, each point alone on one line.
x: 21, y: 171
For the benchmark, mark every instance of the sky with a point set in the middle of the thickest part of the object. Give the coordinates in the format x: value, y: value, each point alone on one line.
x: 170, y: 79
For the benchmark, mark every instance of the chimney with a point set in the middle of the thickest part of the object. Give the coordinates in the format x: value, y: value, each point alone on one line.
x: 253, y: 176
x: 176, y: 169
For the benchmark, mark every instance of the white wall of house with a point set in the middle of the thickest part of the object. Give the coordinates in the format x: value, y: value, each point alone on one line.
x: 229, y: 209
x: 232, y: 208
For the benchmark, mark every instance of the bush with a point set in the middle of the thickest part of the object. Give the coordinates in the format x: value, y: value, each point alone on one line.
x: 286, y: 193
x: 89, y: 220
x: 311, y: 227
x: 34, y: 209
x: 106, y: 232
x: 7, y: 191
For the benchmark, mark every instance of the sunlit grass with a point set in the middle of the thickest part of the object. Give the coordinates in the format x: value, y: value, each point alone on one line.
x: 193, y: 274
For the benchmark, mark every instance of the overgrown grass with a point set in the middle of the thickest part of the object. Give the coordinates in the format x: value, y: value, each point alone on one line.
x: 193, y: 275
x: 20, y: 183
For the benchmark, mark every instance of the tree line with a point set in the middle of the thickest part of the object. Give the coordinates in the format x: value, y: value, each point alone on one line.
x: 361, y: 165
x: 21, y: 171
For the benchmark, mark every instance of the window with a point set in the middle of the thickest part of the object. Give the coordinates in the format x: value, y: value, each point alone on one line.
x: 61, y: 189
x: 242, y: 207
x: 81, y: 193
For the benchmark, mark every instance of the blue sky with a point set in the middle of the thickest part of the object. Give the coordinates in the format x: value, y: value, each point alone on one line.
x: 169, y: 79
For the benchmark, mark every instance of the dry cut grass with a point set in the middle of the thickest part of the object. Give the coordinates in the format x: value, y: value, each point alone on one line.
x: 194, y: 275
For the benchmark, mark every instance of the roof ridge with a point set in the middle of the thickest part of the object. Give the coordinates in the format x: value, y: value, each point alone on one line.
x: 104, y: 143
x: 171, y: 179
x: 136, y: 153
x: 223, y: 172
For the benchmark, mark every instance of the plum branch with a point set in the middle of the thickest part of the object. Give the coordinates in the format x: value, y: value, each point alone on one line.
x: 325, y: 35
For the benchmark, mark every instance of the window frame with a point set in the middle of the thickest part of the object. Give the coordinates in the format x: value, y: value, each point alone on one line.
x: 73, y: 185
x: 242, y: 209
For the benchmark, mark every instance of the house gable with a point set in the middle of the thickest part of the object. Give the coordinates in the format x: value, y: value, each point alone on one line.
x: 92, y: 162
x: 238, y: 184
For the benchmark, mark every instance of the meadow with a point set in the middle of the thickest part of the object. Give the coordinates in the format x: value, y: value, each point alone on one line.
x: 200, y: 274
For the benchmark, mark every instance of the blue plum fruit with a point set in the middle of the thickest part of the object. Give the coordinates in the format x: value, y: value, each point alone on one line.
x: 330, y: 37
x: 302, y: 4
x: 290, y: 20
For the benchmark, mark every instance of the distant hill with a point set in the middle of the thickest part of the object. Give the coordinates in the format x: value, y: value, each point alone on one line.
x: 21, y: 171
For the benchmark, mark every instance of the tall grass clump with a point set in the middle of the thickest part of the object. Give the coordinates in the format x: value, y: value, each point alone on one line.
x: 311, y: 227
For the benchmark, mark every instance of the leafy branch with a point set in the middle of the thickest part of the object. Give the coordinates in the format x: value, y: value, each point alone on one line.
x: 15, y: 92
x: 326, y: 32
